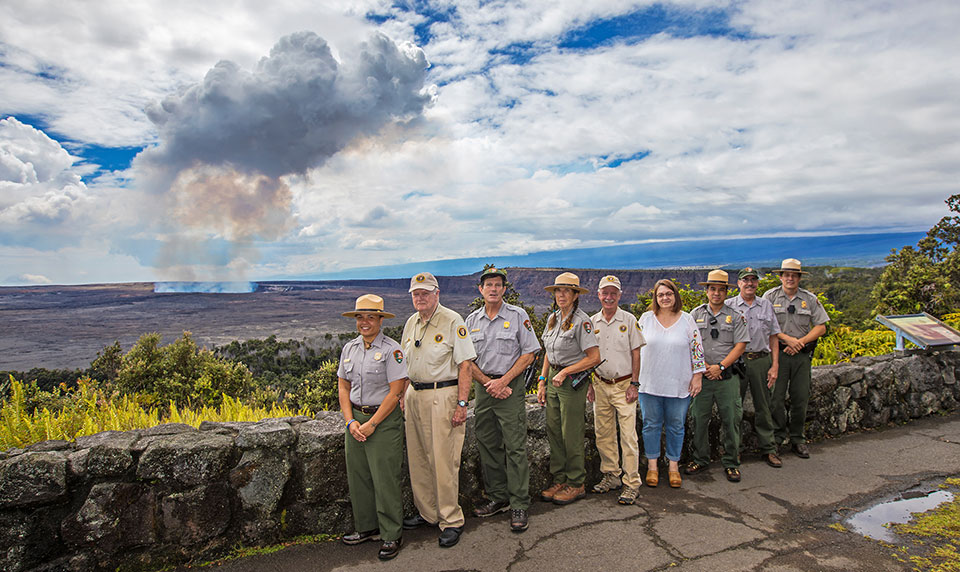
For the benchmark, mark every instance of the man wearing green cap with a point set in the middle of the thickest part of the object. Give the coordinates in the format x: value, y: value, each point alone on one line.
x: 802, y: 321
x: 761, y: 358
x: 505, y: 344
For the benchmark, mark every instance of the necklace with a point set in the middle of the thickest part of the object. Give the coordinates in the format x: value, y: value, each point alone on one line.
x: 416, y: 343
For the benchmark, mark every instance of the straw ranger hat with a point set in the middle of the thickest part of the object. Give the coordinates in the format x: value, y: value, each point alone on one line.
x: 716, y: 277
x: 790, y: 265
x: 567, y: 280
x: 369, y: 304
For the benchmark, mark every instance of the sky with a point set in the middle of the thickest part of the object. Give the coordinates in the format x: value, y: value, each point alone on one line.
x: 224, y: 141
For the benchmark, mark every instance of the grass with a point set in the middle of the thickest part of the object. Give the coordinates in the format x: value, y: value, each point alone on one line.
x: 935, y: 535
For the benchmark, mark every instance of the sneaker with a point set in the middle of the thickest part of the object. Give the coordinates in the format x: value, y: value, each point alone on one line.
x: 518, y: 520
x: 491, y: 508
x: 609, y: 482
x: 628, y: 495
x: 569, y: 494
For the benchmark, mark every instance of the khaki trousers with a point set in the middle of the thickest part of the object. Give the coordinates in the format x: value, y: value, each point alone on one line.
x: 433, y: 452
x: 610, y: 408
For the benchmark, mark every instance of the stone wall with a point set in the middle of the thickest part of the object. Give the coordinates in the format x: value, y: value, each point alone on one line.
x: 148, y: 498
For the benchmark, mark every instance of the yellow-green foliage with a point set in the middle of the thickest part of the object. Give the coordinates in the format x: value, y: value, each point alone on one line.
x: 88, y: 410
x: 842, y: 343
x: 940, y: 529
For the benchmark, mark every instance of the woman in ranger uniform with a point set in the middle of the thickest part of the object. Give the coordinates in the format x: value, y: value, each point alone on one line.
x: 571, y: 347
x: 371, y: 378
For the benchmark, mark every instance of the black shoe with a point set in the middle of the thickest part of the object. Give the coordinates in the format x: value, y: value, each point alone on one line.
x: 415, y: 522
x: 450, y: 536
x: 358, y: 537
x: 800, y: 450
x: 733, y: 474
x: 693, y: 468
x: 518, y: 520
x: 491, y: 508
x: 389, y: 549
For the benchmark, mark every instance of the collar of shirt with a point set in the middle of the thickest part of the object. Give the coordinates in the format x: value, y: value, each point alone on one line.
x: 421, y: 321
x: 485, y: 316
x: 739, y: 301
x: 617, y: 317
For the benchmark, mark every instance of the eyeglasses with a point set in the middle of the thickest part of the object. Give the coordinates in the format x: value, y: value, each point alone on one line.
x: 714, y: 332
x: 791, y: 309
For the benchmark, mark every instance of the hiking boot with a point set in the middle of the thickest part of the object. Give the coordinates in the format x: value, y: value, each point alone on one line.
x: 609, y: 482
x: 518, y: 520
x: 491, y: 508
x: 548, y: 494
x: 569, y: 494
x: 628, y: 495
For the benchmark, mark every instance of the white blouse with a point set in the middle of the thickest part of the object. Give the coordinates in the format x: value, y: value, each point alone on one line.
x: 671, y: 357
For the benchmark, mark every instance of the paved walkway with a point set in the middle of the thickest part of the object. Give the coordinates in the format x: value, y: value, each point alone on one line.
x: 773, y: 520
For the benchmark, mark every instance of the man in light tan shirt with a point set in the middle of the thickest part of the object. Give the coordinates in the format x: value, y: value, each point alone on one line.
x: 439, y: 353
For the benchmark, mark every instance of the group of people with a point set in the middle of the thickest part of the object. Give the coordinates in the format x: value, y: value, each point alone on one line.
x: 669, y: 360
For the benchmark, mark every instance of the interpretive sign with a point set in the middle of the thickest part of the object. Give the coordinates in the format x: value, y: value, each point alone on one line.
x: 922, y: 329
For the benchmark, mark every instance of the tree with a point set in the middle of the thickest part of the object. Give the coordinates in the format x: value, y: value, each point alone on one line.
x: 925, y: 278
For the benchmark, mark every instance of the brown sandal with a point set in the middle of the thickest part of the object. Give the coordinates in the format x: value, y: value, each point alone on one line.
x: 653, y: 478
x: 675, y: 479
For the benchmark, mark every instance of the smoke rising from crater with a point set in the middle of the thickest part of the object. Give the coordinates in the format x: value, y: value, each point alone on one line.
x: 226, y: 142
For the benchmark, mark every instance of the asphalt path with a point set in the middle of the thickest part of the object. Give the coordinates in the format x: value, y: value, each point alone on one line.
x: 774, y: 520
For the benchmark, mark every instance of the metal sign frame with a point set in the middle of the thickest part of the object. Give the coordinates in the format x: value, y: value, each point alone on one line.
x: 914, y: 332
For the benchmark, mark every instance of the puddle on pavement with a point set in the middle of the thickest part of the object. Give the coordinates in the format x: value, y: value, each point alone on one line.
x: 871, y: 522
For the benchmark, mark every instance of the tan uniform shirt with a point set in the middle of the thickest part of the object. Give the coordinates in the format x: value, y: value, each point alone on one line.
x: 566, y: 346
x: 617, y: 338
x: 731, y: 329
x: 370, y: 371
x: 444, y: 343
x: 808, y: 311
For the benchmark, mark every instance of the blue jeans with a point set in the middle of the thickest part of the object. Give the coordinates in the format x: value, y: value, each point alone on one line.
x: 666, y: 414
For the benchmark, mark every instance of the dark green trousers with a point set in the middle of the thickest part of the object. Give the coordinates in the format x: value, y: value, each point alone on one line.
x: 793, y: 379
x: 726, y: 394
x: 501, y: 430
x: 756, y: 382
x: 374, y: 475
x: 565, y: 431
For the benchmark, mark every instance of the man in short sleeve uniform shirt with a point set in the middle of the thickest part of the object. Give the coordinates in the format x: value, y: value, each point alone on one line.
x: 614, y: 393
x: 438, y: 352
x: 505, y: 343
x: 725, y: 336
x: 802, y: 321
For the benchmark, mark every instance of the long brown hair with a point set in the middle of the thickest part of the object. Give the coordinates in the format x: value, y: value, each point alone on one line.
x: 556, y: 309
x: 655, y: 306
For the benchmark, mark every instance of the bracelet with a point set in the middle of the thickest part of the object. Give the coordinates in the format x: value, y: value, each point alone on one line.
x: 542, y: 378
x: 349, y: 422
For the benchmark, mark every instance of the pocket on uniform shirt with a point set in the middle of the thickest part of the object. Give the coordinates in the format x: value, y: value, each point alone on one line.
x: 505, y: 343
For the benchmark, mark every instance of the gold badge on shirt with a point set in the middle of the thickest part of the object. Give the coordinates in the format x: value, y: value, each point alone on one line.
x: 729, y: 319
x: 506, y: 325
x: 803, y: 303
x: 377, y: 356
x: 438, y: 338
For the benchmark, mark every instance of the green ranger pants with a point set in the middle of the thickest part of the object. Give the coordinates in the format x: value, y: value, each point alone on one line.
x: 793, y: 379
x: 565, y: 431
x: 726, y: 394
x: 756, y: 382
x: 374, y: 475
x: 501, y: 431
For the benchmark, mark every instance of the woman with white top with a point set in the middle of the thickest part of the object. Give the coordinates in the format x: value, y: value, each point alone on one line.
x: 671, y: 368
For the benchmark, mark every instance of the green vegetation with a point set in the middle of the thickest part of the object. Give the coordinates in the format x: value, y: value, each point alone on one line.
x: 935, y: 536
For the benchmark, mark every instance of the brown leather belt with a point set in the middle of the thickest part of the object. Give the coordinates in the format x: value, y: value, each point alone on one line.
x: 421, y: 386
x: 365, y: 409
x: 755, y: 355
x: 613, y: 381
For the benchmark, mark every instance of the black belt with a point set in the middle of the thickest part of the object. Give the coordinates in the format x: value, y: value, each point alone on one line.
x: 365, y: 409
x: 613, y: 381
x: 492, y: 375
x: 755, y: 355
x: 421, y: 386
x: 807, y: 349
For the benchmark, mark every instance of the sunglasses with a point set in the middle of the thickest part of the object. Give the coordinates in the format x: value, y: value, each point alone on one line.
x: 714, y: 332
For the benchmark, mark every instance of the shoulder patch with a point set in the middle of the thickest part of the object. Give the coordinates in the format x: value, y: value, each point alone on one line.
x: 623, y: 327
x: 461, y: 331
x: 438, y: 338
x: 638, y: 325
x: 526, y: 324
x: 398, y: 355
x: 587, y: 327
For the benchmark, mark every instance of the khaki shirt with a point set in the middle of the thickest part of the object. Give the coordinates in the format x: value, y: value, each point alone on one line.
x: 617, y: 338
x: 567, y: 346
x: 444, y: 344
x: 370, y: 371
x: 731, y: 326
x: 808, y: 311
x: 761, y: 321
x: 501, y: 341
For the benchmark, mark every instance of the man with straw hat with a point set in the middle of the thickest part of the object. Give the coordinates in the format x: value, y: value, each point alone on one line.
x: 761, y: 359
x: 505, y: 343
x: 370, y: 379
x: 802, y: 321
x: 725, y: 336
x: 614, y: 393
x: 439, y: 352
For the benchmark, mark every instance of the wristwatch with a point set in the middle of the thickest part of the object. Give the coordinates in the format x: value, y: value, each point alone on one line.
x: 635, y: 383
x: 721, y: 366
x: 461, y: 403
